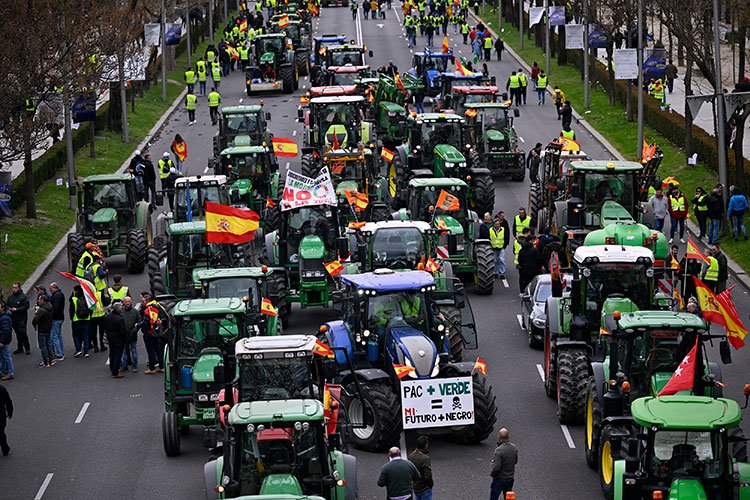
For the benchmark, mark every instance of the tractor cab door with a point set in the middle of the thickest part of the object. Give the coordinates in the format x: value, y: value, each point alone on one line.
x: 468, y: 323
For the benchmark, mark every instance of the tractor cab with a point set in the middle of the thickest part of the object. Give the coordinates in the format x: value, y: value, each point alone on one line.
x: 423, y: 203
x: 241, y: 126
x: 491, y: 131
x: 191, y: 194
x: 273, y: 67
x: 344, y: 75
x: 461, y: 95
x: 335, y: 123
x: 272, y: 44
x: 449, y: 80
x: 430, y: 66
x: 253, y: 172
x: 321, y: 44
x: 397, y: 245
x: 346, y: 55
x: 438, y: 140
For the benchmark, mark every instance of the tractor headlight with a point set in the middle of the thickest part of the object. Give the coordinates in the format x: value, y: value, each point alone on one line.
x: 587, y: 272
x: 441, y: 328
x: 538, y: 322
x: 312, y: 273
x: 250, y: 428
x: 650, y: 273
x: 630, y: 481
x: 449, y: 165
x: 203, y: 398
x: 214, y: 397
x: 366, y: 333
x: 462, y: 164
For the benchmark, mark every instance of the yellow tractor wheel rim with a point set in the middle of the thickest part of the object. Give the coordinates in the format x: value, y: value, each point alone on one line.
x: 392, y: 180
x: 607, y: 463
x: 589, y: 422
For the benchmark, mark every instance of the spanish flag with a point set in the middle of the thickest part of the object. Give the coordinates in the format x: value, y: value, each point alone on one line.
x: 387, y: 155
x: 460, y: 68
x: 322, y: 350
x: 440, y: 223
x: 313, y: 8
x: 243, y: 25
x: 446, y: 46
x: 285, y: 147
x: 334, y: 268
x: 304, y: 99
x: 402, y: 371
x: 694, y: 253
x: 266, y: 307
x: 229, y: 225
x: 357, y: 224
x: 736, y: 331
x: 471, y: 113
x: 480, y: 366
x: 447, y: 202
x: 431, y: 266
x: 357, y: 199
x: 648, y: 151
x: 284, y: 21
x: 269, y: 202
x: 233, y: 52
x: 399, y: 83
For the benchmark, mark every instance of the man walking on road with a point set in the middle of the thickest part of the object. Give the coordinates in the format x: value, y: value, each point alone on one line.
x: 130, y: 354
x: 6, y: 413
x: 524, y: 84
x: 678, y: 211
x: 499, y: 239
x: 533, y: 161
x: 541, y: 88
x: 18, y: 305
x: 503, y: 466
x: 721, y: 282
x: 114, y: 324
x: 421, y: 460
x: 566, y: 112
x: 57, y: 301
x: 214, y: 99
x: 499, y: 48
x: 513, y: 86
x: 191, y: 101
x: 671, y: 75
x: 398, y: 476
x: 6, y: 336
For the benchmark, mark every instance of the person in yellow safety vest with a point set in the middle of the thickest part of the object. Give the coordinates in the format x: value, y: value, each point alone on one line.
x: 202, y: 71
x: 191, y: 101
x: 701, y: 210
x: 96, y: 323
x: 214, y: 99
x: 165, y: 164
x: 337, y: 133
x: 216, y: 74
x: 524, y: 84
x: 513, y: 86
x: 411, y: 310
x: 80, y: 323
x: 85, y: 260
x: 210, y: 55
x: 190, y: 80
x: 258, y: 6
x: 244, y: 51
x: 678, y: 212
x: 710, y: 273
x: 521, y: 221
x: 487, y: 46
x: 465, y: 31
x: 498, y: 242
x: 567, y: 133
x: 658, y: 91
x: 118, y: 291
x: 541, y: 87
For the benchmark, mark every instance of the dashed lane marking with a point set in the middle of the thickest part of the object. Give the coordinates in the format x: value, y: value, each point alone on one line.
x: 82, y: 413
x: 540, y: 370
x: 43, y: 487
x: 287, y: 165
x: 520, y: 321
x: 505, y: 283
x: 402, y: 443
x: 294, y: 133
x: 205, y: 170
x: 521, y: 138
x: 568, y: 437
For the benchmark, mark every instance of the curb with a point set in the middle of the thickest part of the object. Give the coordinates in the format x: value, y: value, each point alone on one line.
x: 55, y: 252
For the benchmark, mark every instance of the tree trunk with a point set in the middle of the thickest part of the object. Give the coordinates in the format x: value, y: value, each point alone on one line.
x: 27, y: 125
x: 92, y: 139
x: 562, y: 54
x: 114, y: 112
x: 743, y: 30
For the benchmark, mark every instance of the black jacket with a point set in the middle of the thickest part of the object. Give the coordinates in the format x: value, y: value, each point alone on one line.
x: 723, y: 271
x: 57, y: 301
x: 43, y: 318
x: 6, y: 405
x: 114, y: 325
x: 21, y: 303
x: 715, y: 206
x: 6, y: 328
x: 529, y: 260
x: 149, y: 174
x: 423, y: 463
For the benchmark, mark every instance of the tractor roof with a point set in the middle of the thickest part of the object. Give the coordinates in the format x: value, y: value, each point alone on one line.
x: 395, y: 224
x: 231, y: 272
x: 182, y: 228
x: 269, y: 35
x: 337, y: 99
x: 202, y: 180
x: 423, y: 182
x: 330, y: 38
x: 607, y: 166
x: 241, y: 110
x: 392, y: 107
x: 346, y: 46
x: 108, y: 178
x: 476, y: 89
x: 686, y: 412
x: 482, y: 105
x: 660, y: 319
x: 440, y: 117
x: 452, y: 75
x: 333, y: 90
x: 612, y: 254
x: 274, y: 347
x: 200, y: 307
x: 283, y: 410
x: 386, y: 280
x: 348, y: 68
x: 435, y: 55
x: 244, y: 150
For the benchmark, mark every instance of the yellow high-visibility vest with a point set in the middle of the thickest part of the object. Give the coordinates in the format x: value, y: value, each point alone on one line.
x: 497, y: 238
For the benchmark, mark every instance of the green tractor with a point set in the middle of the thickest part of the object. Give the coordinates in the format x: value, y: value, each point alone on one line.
x: 296, y: 31
x: 202, y: 335
x: 491, y: 129
x: 458, y: 241
x: 335, y: 52
x: 240, y: 126
x: 681, y: 447
x: 398, y: 340
x: 359, y: 174
x: 272, y: 51
x: 437, y: 147
x: 110, y: 215
x: 643, y: 350
x: 390, y: 114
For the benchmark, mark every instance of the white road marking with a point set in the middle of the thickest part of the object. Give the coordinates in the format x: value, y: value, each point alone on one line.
x: 521, y: 138
x: 294, y: 133
x: 568, y: 437
x: 85, y: 407
x: 520, y: 321
x: 505, y: 283
x: 287, y: 165
x: 43, y: 487
x: 205, y: 169
x: 396, y: 13
x: 460, y: 51
x: 540, y: 370
x: 402, y: 443
x: 358, y: 26
x: 106, y: 363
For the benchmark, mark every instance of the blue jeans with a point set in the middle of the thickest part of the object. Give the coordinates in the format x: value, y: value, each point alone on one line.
x: 500, y: 487
x: 419, y: 105
x: 81, y: 336
x: 133, y: 347
x: 738, y: 226
x: 6, y: 361
x: 658, y: 224
x: 540, y: 95
x: 673, y: 227
x: 202, y: 87
x: 702, y: 222
x: 56, y: 337
x: 713, y: 230
x: 45, y: 346
x: 499, y: 261
x: 425, y: 495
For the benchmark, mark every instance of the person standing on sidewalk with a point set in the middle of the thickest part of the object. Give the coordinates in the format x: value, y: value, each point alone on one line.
x: 541, y: 88
x: 660, y: 207
x: 6, y: 337
x: 420, y: 457
x: 736, y: 209
x: 701, y: 210
x: 6, y: 413
x: 678, y: 212
x: 42, y: 321
x: 398, y: 476
x: 715, y: 204
x: 671, y: 74
x: 503, y: 466
x: 57, y: 301
x: 18, y: 305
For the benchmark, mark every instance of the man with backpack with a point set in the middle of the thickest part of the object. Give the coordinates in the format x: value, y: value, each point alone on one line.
x: 155, y: 324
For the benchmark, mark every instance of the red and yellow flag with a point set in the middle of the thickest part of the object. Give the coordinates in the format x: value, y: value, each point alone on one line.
x: 334, y: 267
x: 357, y: 224
x: 322, y: 350
x: 229, y: 225
x: 665, y: 183
x: 358, y: 200
x: 480, y: 366
x: 693, y: 252
x: 285, y: 147
x: 233, y: 52
x: 446, y: 46
x: 269, y: 202
x: 648, y: 151
x: 471, y: 113
x: 304, y: 99
x: 266, y: 307
x: 736, y: 331
x: 399, y: 83
x: 440, y: 223
x: 708, y: 304
x: 431, y: 266
x: 387, y: 155
x: 284, y: 21
x: 402, y: 370
x: 243, y: 25
x: 447, y: 201
x: 313, y: 8
x: 460, y: 69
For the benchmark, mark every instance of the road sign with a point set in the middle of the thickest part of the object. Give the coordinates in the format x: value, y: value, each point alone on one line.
x: 437, y: 402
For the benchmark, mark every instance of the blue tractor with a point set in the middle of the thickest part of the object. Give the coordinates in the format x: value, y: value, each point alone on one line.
x: 396, y: 329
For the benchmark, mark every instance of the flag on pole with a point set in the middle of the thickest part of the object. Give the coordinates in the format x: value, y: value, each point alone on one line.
x: 446, y: 46
x: 693, y: 252
x: 470, y: 113
x: 402, y: 370
x: 460, y: 69
x: 313, y: 8
x: 322, y: 350
x: 89, y: 290
x: 285, y: 147
x: 387, y: 155
x: 480, y: 366
x: 266, y: 307
x: 431, y: 266
x: 399, y: 83
x: 648, y: 151
x: 226, y: 224
x: 334, y: 268
x: 269, y: 202
x: 736, y: 331
x: 682, y: 380
x: 708, y: 304
x: 243, y: 25
x: 357, y: 224
x: 666, y: 182
x: 447, y: 201
x: 284, y: 21
x: 358, y: 200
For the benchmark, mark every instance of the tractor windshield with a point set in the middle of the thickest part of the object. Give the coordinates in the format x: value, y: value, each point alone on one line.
x: 233, y: 287
x: 341, y: 78
x: 428, y: 197
x: 398, y: 309
x: 281, y: 449
x: 292, y: 31
x: 244, y: 166
x: 191, y: 251
x: 198, y: 333
x: 596, y: 188
x: 241, y: 124
x: 274, y: 45
x: 495, y: 119
x: 311, y: 221
x: 114, y: 195
x: 427, y: 63
x: 344, y: 57
x: 340, y: 124
x: 197, y: 199
x: 397, y: 248
x: 691, y: 453
x: 621, y: 280
x: 434, y: 133
x: 276, y: 378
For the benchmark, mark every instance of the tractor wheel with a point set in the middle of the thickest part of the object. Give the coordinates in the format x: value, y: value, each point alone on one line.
x: 484, y: 279
x: 76, y: 247
x: 475, y: 160
x: 301, y: 62
x: 592, y: 424
x: 380, y: 213
x: 572, y: 377
x: 309, y: 168
x: 155, y: 278
x: 535, y: 200
x: 210, y: 480
x: 170, y: 434
x: 277, y: 288
x: 739, y: 448
x: 550, y: 365
x: 396, y: 183
x: 135, y: 260
x: 519, y: 177
x: 287, y: 79
x: 272, y: 219
x: 351, y: 490
x: 453, y: 330
x: 484, y: 193
x: 606, y: 464
x: 485, y: 410
x: 380, y: 412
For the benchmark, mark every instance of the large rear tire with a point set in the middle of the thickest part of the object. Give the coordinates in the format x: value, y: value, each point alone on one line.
x: 277, y: 288
x: 592, y: 424
x: 484, y: 192
x: 485, y: 412
x: 572, y: 378
x: 155, y: 277
x: 308, y: 166
x: 210, y: 480
x: 76, y: 247
x: 485, y: 274
x: 550, y: 364
x: 383, y: 409
x: 170, y: 434
x: 302, y: 62
x: 535, y: 200
x: 397, y: 182
x: 135, y: 260
x: 475, y: 161
x: 287, y: 79
x: 453, y: 330
x: 739, y: 448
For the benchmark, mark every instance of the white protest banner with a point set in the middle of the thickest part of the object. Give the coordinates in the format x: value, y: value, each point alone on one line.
x: 301, y: 190
x: 535, y: 15
x: 442, y: 402
x: 626, y: 63
x: 151, y: 33
x: 574, y: 36
x: 134, y: 68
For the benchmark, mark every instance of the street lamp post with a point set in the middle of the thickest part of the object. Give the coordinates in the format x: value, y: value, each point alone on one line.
x: 586, y: 99
x: 720, y: 111
x: 640, y: 79
x: 520, y: 22
x: 163, y: 52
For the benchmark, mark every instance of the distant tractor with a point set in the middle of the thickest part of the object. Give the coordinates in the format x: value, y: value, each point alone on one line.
x: 241, y: 126
x: 492, y: 134
x: 273, y: 67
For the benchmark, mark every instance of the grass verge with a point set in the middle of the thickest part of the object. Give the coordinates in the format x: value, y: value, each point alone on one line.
x: 612, y: 123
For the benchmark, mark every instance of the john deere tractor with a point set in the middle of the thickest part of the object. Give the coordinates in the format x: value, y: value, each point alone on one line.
x: 643, y: 350
x: 458, y: 229
x: 240, y: 126
x: 110, y: 215
x: 491, y: 130
x: 272, y: 51
x: 300, y: 37
x: 388, y: 108
x: 461, y: 95
x: 321, y: 44
x: 336, y: 52
x: 439, y: 147
x: 397, y: 339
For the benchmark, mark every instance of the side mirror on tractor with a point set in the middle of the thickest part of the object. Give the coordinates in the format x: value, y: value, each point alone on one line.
x: 725, y: 352
x: 459, y: 295
x: 369, y: 53
x: 516, y: 112
x: 337, y: 302
x: 268, y: 116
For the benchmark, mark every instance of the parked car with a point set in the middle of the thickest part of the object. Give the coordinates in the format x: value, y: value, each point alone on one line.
x: 533, y: 301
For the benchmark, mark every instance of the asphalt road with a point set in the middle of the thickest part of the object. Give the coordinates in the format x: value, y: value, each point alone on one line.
x: 77, y: 433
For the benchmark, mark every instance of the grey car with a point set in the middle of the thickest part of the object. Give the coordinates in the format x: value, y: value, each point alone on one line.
x: 533, y: 301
